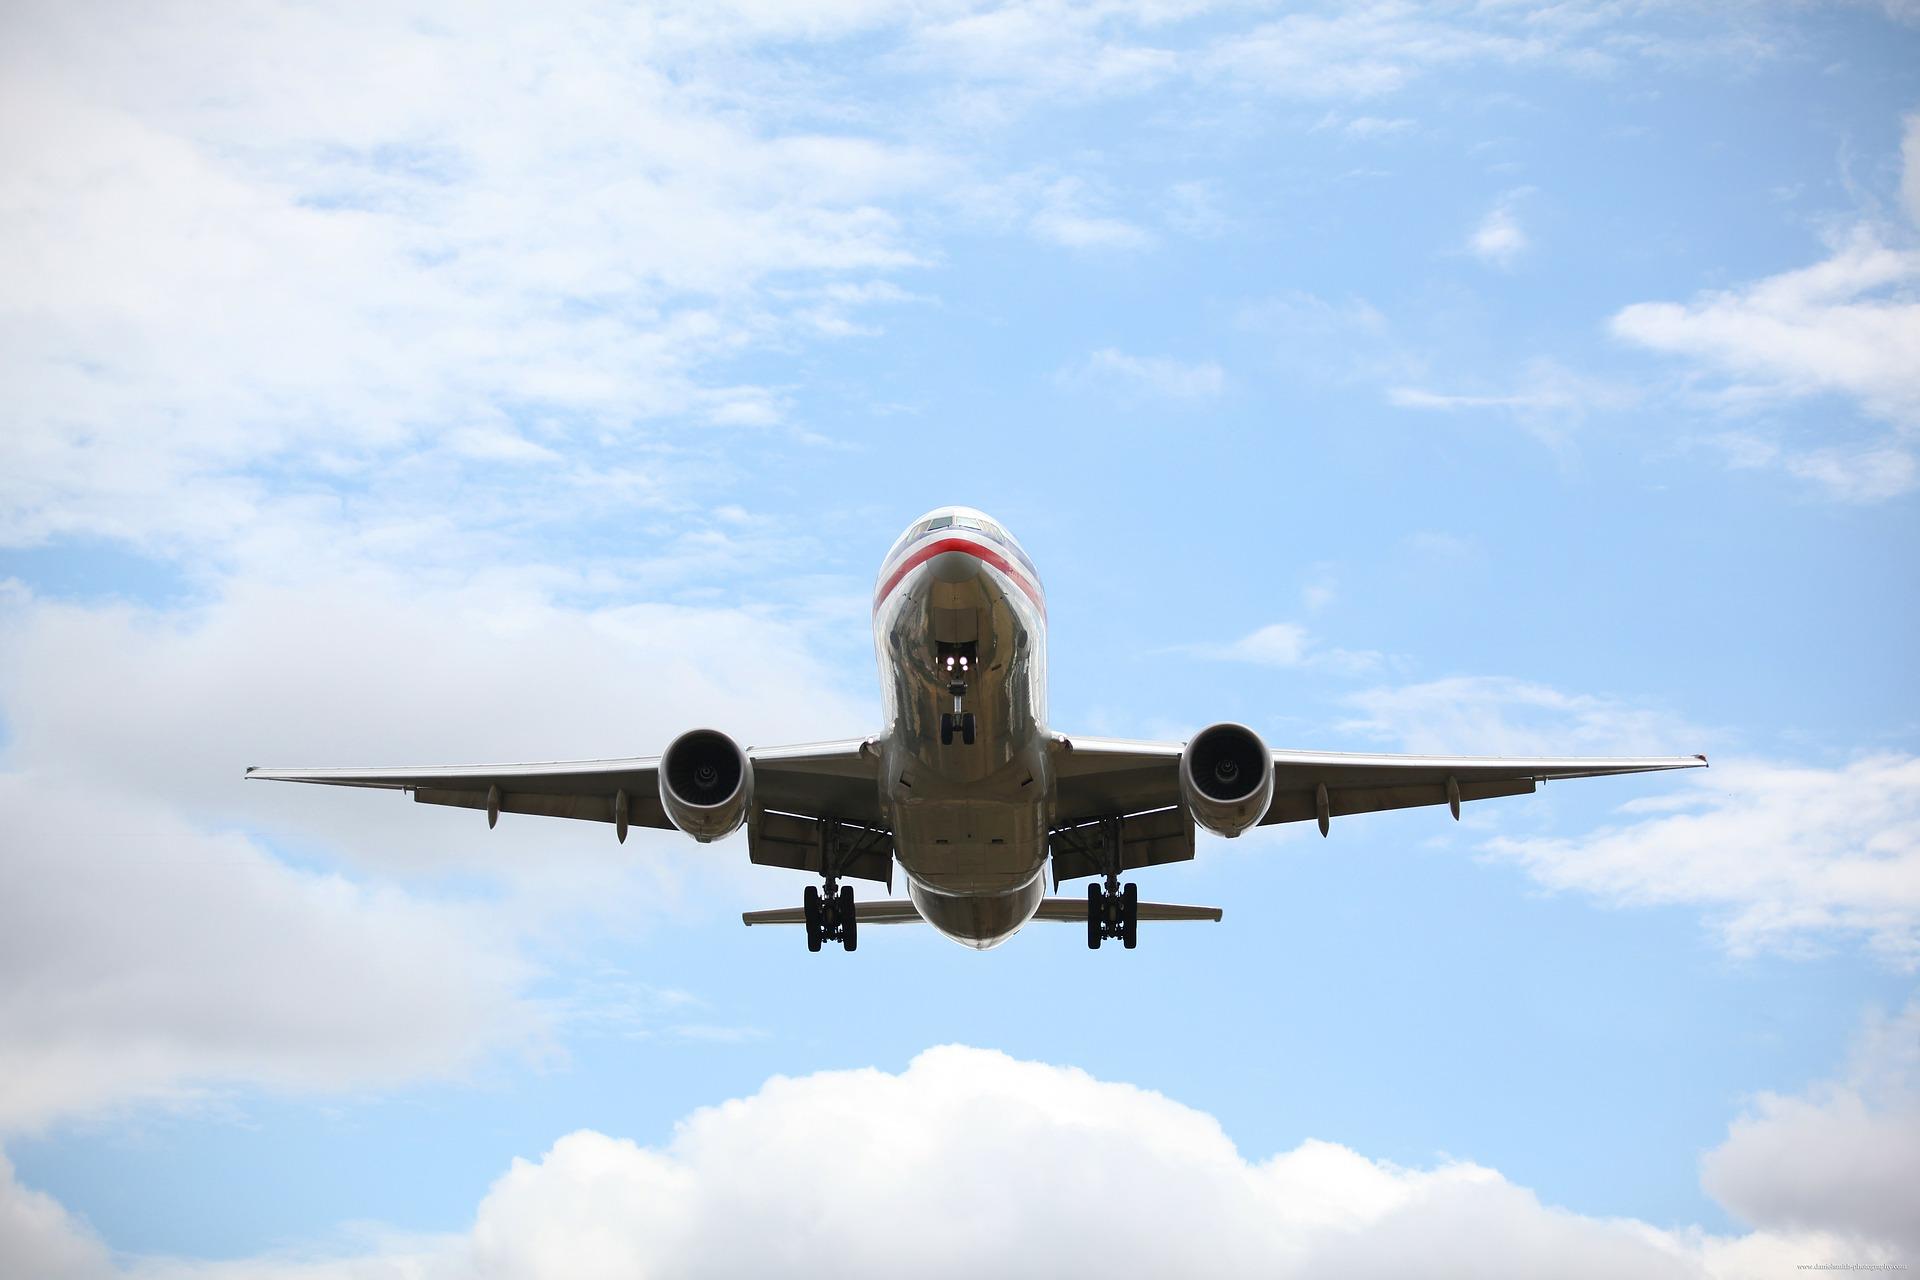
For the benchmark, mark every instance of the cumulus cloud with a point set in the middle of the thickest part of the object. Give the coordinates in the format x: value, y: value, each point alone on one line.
x: 39, y: 1238
x: 1843, y: 1157
x: 968, y: 1138
x: 148, y: 948
x: 142, y: 957
x: 1846, y: 326
x: 1782, y: 856
x: 168, y: 706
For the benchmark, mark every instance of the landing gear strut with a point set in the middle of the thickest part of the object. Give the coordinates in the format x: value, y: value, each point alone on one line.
x: 959, y: 720
x: 830, y: 916
x: 1113, y: 912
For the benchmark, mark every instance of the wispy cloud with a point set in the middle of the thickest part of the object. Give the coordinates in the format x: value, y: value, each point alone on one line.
x: 1069, y: 215
x: 1548, y: 401
x: 203, y: 285
x: 1363, y: 126
x: 1784, y: 857
x: 1130, y: 377
x: 1501, y: 715
x: 1289, y: 644
x: 1499, y: 240
x: 1848, y: 326
x: 1345, y: 340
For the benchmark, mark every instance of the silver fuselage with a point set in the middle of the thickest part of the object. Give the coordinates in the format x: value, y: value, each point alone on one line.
x: 970, y: 822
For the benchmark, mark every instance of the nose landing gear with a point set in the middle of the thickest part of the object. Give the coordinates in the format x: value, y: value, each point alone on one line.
x: 830, y: 916
x: 958, y: 721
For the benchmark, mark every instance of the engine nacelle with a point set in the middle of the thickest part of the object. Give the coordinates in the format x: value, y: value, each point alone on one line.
x: 706, y: 784
x: 1226, y: 778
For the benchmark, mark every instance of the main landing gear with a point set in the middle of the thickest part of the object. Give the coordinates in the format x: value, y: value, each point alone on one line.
x: 1113, y: 912
x: 830, y: 916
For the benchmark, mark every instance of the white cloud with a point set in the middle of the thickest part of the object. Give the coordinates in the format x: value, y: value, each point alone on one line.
x: 1361, y: 52
x: 364, y: 666
x: 143, y: 957
x: 1499, y: 240
x: 1844, y: 1157
x: 218, y: 256
x: 1548, y: 401
x: 1376, y: 126
x: 148, y: 948
x: 1782, y: 856
x: 39, y: 1238
x: 1289, y: 644
x: 1499, y: 715
x: 1846, y: 326
x: 1033, y: 51
x: 1068, y: 216
x: 966, y: 1136
x: 1130, y: 377
x: 1278, y: 644
x: 1842, y: 325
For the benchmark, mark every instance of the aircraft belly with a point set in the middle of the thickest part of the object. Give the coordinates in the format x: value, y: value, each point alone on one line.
x: 969, y: 818
x: 975, y: 920
x: 970, y: 846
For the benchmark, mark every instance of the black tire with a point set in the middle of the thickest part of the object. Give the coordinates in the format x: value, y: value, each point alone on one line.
x: 1094, y: 895
x: 849, y: 923
x: 946, y: 728
x: 966, y: 728
x: 1129, y: 915
x: 810, y: 904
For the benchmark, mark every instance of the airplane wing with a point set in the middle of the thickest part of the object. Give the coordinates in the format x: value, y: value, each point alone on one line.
x: 1110, y: 777
x: 797, y: 791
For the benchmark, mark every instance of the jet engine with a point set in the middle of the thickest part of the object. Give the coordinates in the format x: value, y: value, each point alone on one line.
x: 706, y: 784
x: 1226, y: 778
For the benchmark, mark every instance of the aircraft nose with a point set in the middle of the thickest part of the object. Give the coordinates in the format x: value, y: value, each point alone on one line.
x: 954, y: 567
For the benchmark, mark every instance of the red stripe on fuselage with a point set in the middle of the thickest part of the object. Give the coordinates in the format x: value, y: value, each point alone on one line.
x: 978, y: 551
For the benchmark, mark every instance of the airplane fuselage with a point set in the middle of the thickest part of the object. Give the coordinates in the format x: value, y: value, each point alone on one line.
x: 960, y: 628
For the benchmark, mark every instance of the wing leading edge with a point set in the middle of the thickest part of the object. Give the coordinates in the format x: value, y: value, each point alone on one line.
x: 1105, y: 777
x: 808, y: 799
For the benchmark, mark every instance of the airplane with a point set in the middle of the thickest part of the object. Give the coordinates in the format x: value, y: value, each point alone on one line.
x: 967, y: 788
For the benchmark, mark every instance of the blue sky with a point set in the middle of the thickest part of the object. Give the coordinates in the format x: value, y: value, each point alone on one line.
x: 451, y: 384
